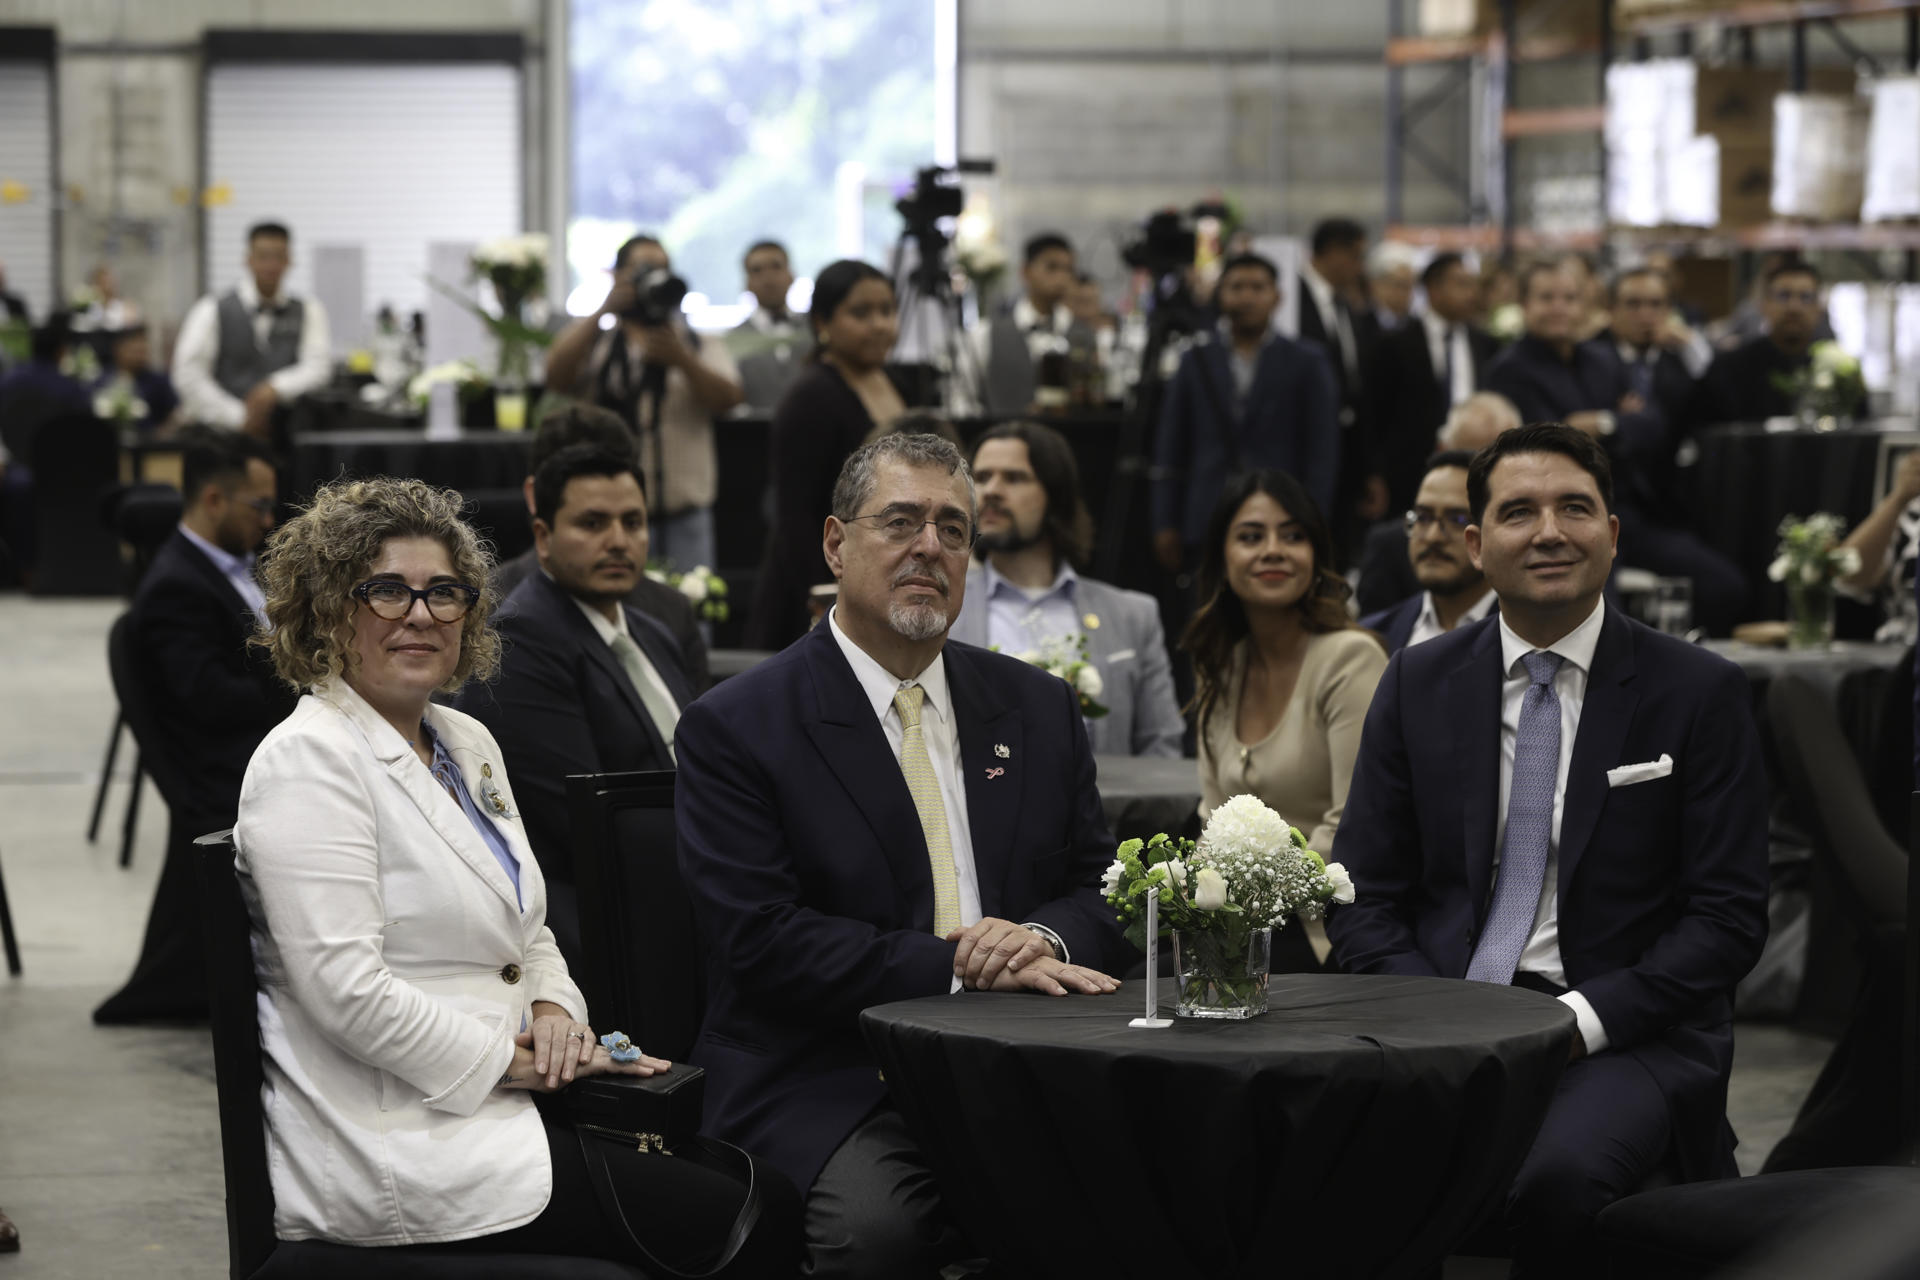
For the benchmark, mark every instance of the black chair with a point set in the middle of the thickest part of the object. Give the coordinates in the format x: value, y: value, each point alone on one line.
x: 253, y: 1252
x: 500, y: 516
x: 643, y: 972
x: 145, y: 516
x: 76, y: 462
x: 140, y: 716
x: 6, y: 930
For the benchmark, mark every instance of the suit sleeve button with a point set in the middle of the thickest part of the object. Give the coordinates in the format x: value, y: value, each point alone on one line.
x: 510, y: 974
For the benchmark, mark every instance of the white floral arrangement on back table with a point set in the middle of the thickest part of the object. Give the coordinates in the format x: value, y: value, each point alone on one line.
x: 1067, y: 658
x: 704, y: 589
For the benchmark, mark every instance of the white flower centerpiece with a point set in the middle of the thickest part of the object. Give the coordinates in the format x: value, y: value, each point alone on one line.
x: 1222, y: 898
x: 1067, y: 658
x: 515, y: 268
x: 704, y: 589
x: 1808, y: 562
x: 1826, y: 388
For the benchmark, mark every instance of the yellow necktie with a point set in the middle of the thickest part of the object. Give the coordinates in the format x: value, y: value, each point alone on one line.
x: 925, y: 788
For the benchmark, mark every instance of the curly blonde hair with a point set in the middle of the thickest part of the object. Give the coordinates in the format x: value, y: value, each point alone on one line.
x: 313, y: 561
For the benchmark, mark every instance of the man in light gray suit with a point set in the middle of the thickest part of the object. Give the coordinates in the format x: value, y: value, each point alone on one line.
x: 770, y: 346
x: 1024, y: 595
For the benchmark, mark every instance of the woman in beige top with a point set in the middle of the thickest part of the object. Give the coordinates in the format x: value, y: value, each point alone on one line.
x: 1283, y: 676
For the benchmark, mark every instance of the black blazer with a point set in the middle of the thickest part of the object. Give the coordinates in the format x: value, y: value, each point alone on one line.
x: 1662, y: 883
x: 215, y: 695
x: 804, y: 857
x: 656, y: 599
x: 563, y: 704
x: 1395, y: 625
x: 1411, y: 404
x: 1319, y: 330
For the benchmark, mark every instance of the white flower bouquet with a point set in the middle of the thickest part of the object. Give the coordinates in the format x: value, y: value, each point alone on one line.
x: 1808, y: 561
x: 704, y: 589
x: 516, y: 268
x: 1067, y: 658
x: 1828, y: 387
x: 1220, y: 898
x: 119, y: 404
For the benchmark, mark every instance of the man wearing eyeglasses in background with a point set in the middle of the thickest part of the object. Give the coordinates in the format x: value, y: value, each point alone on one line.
x: 214, y: 698
x: 1453, y: 592
x: 1744, y: 385
x: 871, y: 815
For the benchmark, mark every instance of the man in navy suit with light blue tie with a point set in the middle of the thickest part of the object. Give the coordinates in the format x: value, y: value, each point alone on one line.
x: 871, y: 815
x: 1243, y: 398
x: 1562, y: 799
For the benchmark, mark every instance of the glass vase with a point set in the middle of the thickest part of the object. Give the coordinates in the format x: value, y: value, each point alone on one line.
x: 1219, y: 977
x: 510, y: 385
x: 1811, y: 607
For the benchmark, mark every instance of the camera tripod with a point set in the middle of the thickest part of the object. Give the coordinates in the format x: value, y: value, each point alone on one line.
x: 930, y: 281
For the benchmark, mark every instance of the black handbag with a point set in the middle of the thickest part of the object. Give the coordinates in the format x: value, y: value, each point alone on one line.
x: 656, y: 1115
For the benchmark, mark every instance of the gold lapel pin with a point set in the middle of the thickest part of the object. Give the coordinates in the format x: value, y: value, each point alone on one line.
x: 486, y: 771
x: 1000, y: 749
x: 1091, y: 622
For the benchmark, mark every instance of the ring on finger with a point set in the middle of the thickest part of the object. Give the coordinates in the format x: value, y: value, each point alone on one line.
x: 576, y: 1035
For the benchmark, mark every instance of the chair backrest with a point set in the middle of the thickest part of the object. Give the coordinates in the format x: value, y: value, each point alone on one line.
x: 1830, y: 796
x: 76, y: 462
x: 500, y: 516
x: 142, y: 717
x: 145, y: 516
x: 232, y: 993
x: 642, y: 969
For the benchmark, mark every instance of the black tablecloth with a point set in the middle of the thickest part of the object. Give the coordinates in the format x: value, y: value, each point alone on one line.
x: 477, y: 460
x: 1145, y: 795
x: 1359, y: 1128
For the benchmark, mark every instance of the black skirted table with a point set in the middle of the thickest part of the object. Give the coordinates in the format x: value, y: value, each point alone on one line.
x: 1360, y: 1128
x: 474, y: 460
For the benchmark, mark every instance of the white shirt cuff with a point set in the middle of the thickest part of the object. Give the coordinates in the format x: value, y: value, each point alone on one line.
x: 1590, y: 1029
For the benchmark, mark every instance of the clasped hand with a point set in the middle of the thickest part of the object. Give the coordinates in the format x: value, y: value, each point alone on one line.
x: 555, y: 1051
x: 998, y: 955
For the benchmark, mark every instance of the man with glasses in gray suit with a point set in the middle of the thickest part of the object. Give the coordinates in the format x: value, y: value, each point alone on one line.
x: 1024, y: 595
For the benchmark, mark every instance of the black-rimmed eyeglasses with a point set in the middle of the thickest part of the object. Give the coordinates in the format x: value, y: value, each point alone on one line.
x: 901, y: 529
x: 446, y: 601
x: 1453, y: 521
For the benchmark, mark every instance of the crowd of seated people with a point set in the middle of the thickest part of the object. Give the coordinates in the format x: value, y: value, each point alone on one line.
x: 405, y: 714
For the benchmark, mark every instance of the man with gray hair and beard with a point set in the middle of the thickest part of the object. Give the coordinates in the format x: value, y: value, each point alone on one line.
x: 872, y: 815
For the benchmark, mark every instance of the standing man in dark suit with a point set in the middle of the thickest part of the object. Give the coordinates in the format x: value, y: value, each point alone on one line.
x: 1243, y: 397
x: 1453, y: 592
x: 1334, y: 276
x: 608, y: 433
x: 1562, y: 799
x: 215, y: 697
x: 587, y: 683
x: 866, y: 817
x: 1423, y: 371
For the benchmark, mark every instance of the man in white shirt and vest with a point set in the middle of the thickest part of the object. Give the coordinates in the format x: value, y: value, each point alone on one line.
x: 1011, y: 347
x: 254, y: 349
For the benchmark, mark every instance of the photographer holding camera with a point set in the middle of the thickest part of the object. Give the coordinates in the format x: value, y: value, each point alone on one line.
x: 637, y: 356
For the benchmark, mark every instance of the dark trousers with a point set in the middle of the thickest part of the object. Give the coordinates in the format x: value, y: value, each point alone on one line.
x: 1720, y: 597
x: 169, y: 981
x: 1606, y: 1130
x: 875, y: 1213
x: 680, y: 1210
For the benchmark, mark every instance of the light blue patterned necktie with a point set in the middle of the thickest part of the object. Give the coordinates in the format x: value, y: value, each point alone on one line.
x: 1523, y: 849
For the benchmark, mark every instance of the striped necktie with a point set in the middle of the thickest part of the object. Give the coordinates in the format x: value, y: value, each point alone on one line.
x: 1523, y: 849
x: 925, y: 789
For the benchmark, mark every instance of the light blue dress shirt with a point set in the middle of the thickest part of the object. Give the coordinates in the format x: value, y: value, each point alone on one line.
x: 447, y: 773
x: 1018, y: 620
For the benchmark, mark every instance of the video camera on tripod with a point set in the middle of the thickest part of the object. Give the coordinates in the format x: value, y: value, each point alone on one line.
x: 1168, y: 245
x: 936, y: 195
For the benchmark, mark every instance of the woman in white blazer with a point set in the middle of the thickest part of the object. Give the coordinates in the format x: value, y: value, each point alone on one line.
x: 411, y: 996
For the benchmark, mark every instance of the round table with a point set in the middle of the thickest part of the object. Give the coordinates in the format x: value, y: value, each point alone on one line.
x: 1361, y: 1127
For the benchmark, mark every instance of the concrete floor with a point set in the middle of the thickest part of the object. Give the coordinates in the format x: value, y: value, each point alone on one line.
x: 109, y: 1139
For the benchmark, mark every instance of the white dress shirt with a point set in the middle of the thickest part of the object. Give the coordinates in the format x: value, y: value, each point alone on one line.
x: 1542, y: 954
x: 610, y: 631
x: 763, y: 320
x: 940, y: 731
x: 1334, y: 317
x: 237, y: 570
x: 1436, y: 331
x: 204, y: 400
x: 1427, y: 625
x: 1024, y: 317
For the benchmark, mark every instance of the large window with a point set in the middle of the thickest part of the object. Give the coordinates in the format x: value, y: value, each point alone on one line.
x: 715, y: 123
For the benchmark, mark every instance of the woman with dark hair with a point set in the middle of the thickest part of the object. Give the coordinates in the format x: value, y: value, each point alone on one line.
x: 842, y: 397
x: 1283, y: 675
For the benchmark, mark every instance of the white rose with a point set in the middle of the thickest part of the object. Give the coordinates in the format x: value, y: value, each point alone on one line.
x: 1088, y: 681
x: 694, y: 585
x: 1342, y: 882
x: 1110, y: 882
x: 658, y: 575
x: 1779, y: 568
x: 1846, y: 561
x: 1029, y: 656
x: 1209, y: 889
x: 1810, y: 573
x: 103, y: 406
x: 1177, y: 872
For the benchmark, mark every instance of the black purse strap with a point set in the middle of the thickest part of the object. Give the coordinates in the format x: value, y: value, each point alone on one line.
x: 707, y: 1152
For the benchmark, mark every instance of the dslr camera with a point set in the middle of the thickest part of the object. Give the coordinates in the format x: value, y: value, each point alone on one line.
x: 657, y: 294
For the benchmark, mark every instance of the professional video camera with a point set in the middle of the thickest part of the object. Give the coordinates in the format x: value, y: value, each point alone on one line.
x: 657, y: 294
x: 936, y: 194
x: 1166, y: 248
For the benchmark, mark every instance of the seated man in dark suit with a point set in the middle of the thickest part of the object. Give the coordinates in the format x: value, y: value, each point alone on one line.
x: 1562, y: 799
x: 1422, y: 371
x: 605, y: 431
x: 1454, y: 593
x: 587, y: 683
x: 1753, y: 382
x: 1245, y: 397
x: 863, y: 818
x: 216, y: 697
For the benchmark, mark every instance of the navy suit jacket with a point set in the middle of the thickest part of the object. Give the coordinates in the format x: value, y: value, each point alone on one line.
x: 562, y: 704
x: 1395, y: 625
x: 1662, y: 884
x: 804, y: 857
x: 1291, y: 422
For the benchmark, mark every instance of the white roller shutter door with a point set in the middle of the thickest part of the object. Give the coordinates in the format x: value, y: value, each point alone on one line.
x: 27, y: 197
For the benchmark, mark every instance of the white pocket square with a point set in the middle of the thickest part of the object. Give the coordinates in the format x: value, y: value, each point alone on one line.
x: 1123, y: 655
x: 1628, y: 774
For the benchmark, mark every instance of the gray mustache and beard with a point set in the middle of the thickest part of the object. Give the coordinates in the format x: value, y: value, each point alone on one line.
x: 919, y: 621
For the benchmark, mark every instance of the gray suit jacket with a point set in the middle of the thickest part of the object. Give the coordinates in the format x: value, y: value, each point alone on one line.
x: 1129, y: 648
x: 767, y: 365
